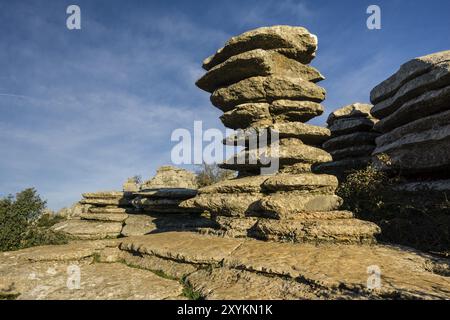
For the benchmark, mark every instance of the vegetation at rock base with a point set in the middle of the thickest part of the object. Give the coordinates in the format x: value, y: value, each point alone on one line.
x: 420, y: 219
x: 189, y: 291
x: 208, y: 174
x: 23, y: 222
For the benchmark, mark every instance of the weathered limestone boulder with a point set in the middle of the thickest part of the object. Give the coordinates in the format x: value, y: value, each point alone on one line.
x: 408, y: 71
x: 306, y: 133
x: 294, y: 110
x: 293, y: 42
x: 352, y: 140
x: 419, y: 152
x: 171, y: 177
x: 131, y: 185
x: 351, y: 125
x: 98, y: 215
x: 283, y: 205
x: 307, y: 183
x: 141, y: 224
x: 255, y: 63
x: 266, y: 89
x: 84, y: 229
x: 267, y: 94
x: 413, y: 79
x: 429, y: 103
x: 289, y: 151
x: 414, y: 110
x: 74, y: 211
x: 346, y: 231
x: 248, y: 115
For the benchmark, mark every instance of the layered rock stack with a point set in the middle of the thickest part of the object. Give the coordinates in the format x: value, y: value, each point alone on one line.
x: 102, y: 215
x: 261, y: 80
x: 413, y: 106
x: 139, y: 209
x: 352, y: 140
x: 157, y: 204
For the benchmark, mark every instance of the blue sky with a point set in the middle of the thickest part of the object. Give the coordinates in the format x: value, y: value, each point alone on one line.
x: 83, y: 110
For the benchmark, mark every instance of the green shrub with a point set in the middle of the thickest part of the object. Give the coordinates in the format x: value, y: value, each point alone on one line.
x: 208, y: 174
x: 21, y: 225
x: 420, y: 219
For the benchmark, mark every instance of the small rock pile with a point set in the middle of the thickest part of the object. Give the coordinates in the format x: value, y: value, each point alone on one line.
x: 157, y: 204
x: 102, y: 215
x: 352, y: 140
x: 413, y: 106
x: 261, y: 80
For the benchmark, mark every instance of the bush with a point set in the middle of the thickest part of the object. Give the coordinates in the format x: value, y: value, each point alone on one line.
x: 209, y: 174
x: 21, y: 225
x: 420, y: 219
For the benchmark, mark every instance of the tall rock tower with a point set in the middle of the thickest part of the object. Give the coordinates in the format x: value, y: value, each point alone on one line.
x: 261, y: 80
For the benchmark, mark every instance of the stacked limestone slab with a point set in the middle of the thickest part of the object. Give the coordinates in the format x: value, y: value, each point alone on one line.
x: 352, y: 139
x: 157, y: 204
x: 260, y: 79
x: 413, y: 106
x: 102, y: 215
x: 139, y: 209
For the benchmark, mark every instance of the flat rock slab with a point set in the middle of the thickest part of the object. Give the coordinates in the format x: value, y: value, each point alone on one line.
x: 116, y: 281
x: 84, y: 229
x: 342, y: 167
x: 307, y: 182
x: 266, y: 89
x: 112, y: 217
x: 183, y: 247
x: 253, y: 63
x: 289, y: 151
x: 247, y: 115
x: 294, y: 42
x: 307, y: 133
x: 350, y: 140
x: 437, y: 78
x: 292, y: 110
x: 429, y: 103
x: 343, y: 231
x: 231, y: 284
x: 353, y: 152
x: 287, y: 204
x: 404, y: 272
x: 169, y: 193
x: 74, y: 251
x: 355, y: 110
x: 424, y: 151
x: 226, y: 204
x: 407, y: 72
x: 351, y: 125
x: 238, y: 185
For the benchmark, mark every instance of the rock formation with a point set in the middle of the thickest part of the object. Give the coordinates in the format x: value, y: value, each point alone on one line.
x: 157, y: 204
x: 262, y: 82
x: 163, y: 266
x: 352, y: 140
x: 151, y: 207
x: 413, y: 106
x: 102, y: 215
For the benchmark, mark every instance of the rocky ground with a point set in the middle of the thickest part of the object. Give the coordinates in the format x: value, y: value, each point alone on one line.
x: 185, y: 265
